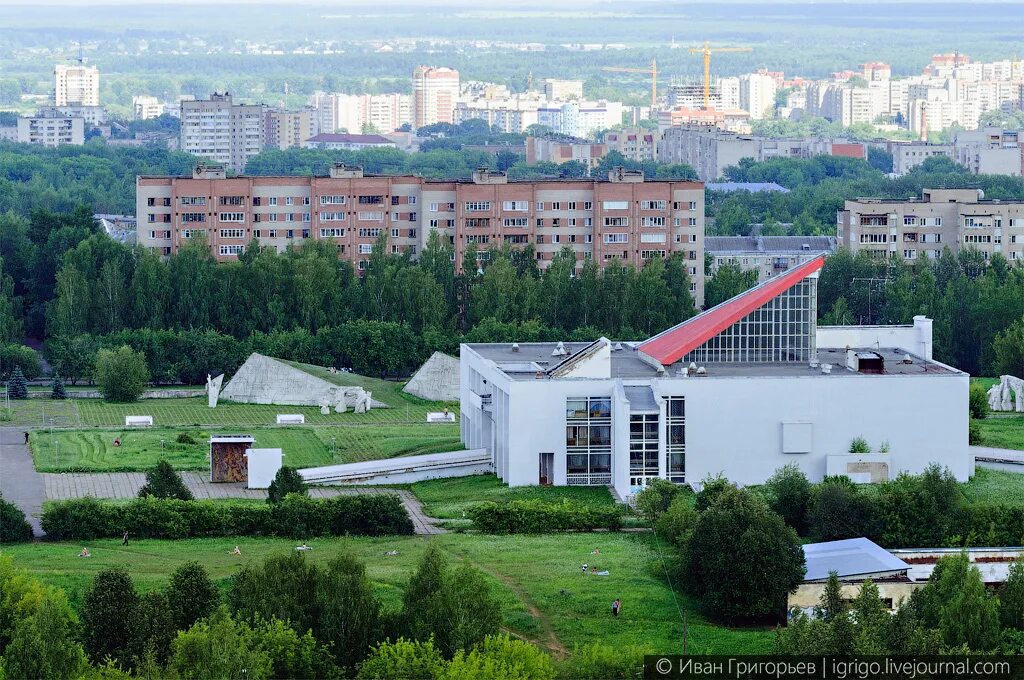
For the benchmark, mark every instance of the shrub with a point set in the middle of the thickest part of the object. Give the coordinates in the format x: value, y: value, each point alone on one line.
x: 403, y: 659
x: 978, y: 401
x: 218, y: 647
x: 152, y: 630
x: 164, y: 482
x: 919, y: 510
x: 286, y: 481
x: 150, y: 517
x: 536, y: 517
x: 191, y: 595
x: 499, y: 657
x: 736, y: 532
x: 279, y: 587
x: 57, y: 390
x: 838, y: 510
x: 789, y: 494
x: 17, y: 387
x: 425, y: 581
x: 598, y: 661
x: 108, y: 612
x: 13, y: 525
x: 711, y: 489
x: 1011, y: 598
x: 184, y: 438
x: 121, y: 374
x: 859, y: 445
x: 656, y: 498
x: 676, y: 524
x: 43, y: 643
x: 292, y: 655
x: 974, y: 436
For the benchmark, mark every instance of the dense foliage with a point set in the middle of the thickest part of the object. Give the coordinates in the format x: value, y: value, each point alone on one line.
x: 295, y: 516
x: 121, y: 373
x: 13, y: 525
x: 163, y: 481
x: 538, y: 517
x: 286, y: 481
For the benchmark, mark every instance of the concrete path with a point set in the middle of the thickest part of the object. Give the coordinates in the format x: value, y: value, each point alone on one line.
x: 1010, y: 460
x: 65, y: 486
x: 19, y: 482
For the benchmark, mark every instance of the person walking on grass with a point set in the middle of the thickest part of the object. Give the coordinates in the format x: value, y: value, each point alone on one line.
x: 616, y: 606
x: 125, y: 538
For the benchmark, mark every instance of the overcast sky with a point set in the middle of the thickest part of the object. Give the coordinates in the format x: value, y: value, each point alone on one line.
x: 505, y: 4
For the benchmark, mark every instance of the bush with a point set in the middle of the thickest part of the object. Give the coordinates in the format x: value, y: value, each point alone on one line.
x: 286, y: 481
x: 216, y: 648
x: 538, y: 517
x: 838, y: 510
x: 296, y: 517
x: 741, y: 560
x: 13, y: 525
x: 108, y: 614
x: 57, y: 390
x: 656, y: 498
x: 43, y: 643
x: 711, y: 489
x: 164, y: 482
x: 978, y: 403
x: 185, y: 438
x: 17, y: 388
x: 403, y: 659
x: 121, y: 374
x: 974, y: 436
x: 499, y: 657
x: 919, y: 510
x: 678, y: 521
x: 598, y: 661
x: 859, y: 445
x: 789, y: 494
x: 18, y: 357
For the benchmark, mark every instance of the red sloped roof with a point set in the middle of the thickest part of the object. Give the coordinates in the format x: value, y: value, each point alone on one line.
x: 670, y: 346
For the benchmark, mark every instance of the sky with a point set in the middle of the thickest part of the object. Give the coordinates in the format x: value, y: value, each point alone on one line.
x: 494, y: 4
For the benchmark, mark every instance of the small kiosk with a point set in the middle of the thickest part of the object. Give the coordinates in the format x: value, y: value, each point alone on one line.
x: 227, y: 457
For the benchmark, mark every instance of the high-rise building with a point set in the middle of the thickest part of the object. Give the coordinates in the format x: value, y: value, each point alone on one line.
x: 757, y: 94
x: 563, y: 89
x: 222, y: 131
x: 287, y: 129
x: 624, y: 218
x: 145, y: 107
x: 76, y: 84
x: 434, y: 94
x: 51, y: 127
x: 356, y: 113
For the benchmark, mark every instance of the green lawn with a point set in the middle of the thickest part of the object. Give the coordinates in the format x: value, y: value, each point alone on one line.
x: 538, y: 579
x: 449, y: 498
x: 1002, y: 432
x: 995, y: 486
x: 42, y: 413
x: 94, y: 451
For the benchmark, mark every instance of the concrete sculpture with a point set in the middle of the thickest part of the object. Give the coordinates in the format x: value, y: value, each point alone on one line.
x: 265, y: 380
x: 436, y: 380
x: 213, y: 389
x: 1007, y: 395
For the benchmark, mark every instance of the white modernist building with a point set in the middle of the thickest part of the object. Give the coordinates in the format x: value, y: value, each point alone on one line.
x: 741, y: 389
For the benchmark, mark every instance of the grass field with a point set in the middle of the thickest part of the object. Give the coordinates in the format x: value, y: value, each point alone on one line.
x: 1002, y: 432
x: 544, y: 596
x: 449, y: 498
x: 995, y: 486
x: 93, y: 450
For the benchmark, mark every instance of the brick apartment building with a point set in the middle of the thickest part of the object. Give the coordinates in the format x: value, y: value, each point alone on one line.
x: 918, y: 228
x: 624, y: 217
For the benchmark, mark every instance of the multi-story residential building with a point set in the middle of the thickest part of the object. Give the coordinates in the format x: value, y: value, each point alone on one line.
x: 733, y: 120
x: 580, y: 119
x: 757, y: 94
x: 623, y: 218
x: 50, y: 127
x: 92, y: 115
x: 729, y: 91
x: 563, y: 89
x: 636, y: 144
x: 943, y: 218
x: 573, y: 117
x: 562, y: 149
x: 354, y: 113
x: 908, y: 155
x: 989, y: 151
x: 434, y: 93
x: 326, y: 140
x: 691, y: 95
x: 145, y: 107
x: 767, y: 255
x: 287, y: 129
x: 76, y: 84
x: 509, y: 114
x: 222, y: 131
x: 875, y: 71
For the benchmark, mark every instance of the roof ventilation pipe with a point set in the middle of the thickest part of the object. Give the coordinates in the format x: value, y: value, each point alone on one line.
x: 515, y: 346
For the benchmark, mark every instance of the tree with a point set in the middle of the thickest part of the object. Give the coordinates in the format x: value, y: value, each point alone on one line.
x: 280, y: 587
x: 838, y: 510
x: 727, y: 282
x: 13, y: 525
x: 17, y: 388
x: 152, y: 631
x: 350, y: 613
x: 978, y: 402
x: 789, y: 494
x: 108, y: 612
x: 286, y: 481
x: 735, y: 532
x: 191, y: 595
x: 218, y: 648
x: 1009, y: 350
x: 955, y: 602
x: 162, y: 481
x: 403, y: 658
x: 463, y: 611
x: 57, y: 390
x: 121, y: 374
x: 498, y: 657
x: 423, y: 585
x: 292, y: 656
x: 43, y: 644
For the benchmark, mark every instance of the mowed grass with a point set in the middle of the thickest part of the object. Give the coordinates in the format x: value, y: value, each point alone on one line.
x: 1002, y: 432
x: 35, y: 413
x: 450, y: 498
x: 94, y: 451
x: 995, y: 486
x: 544, y: 595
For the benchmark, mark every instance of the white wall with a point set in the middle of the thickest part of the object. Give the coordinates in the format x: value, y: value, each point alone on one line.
x: 916, y: 339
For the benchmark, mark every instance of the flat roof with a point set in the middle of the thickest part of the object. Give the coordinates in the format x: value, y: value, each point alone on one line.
x: 626, y: 363
x: 852, y: 557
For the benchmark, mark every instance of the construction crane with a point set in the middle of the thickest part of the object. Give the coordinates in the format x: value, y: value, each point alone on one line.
x: 652, y: 71
x: 707, y: 50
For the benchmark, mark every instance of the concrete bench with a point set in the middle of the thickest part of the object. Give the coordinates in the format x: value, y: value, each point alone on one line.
x: 291, y: 419
x: 138, y: 421
x: 440, y: 417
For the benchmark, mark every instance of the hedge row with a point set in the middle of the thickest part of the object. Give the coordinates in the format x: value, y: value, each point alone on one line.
x: 13, y: 525
x: 295, y: 517
x: 538, y: 517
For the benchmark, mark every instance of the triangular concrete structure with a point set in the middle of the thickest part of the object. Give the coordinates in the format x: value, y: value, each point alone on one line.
x: 266, y: 380
x: 436, y: 380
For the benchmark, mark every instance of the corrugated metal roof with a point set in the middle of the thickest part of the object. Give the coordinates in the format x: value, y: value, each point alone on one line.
x: 850, y: 557
x: 641, y: 399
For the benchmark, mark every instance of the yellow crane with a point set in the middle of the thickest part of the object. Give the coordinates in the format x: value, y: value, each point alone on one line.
x: 652, y: 71
x: 707, y: 50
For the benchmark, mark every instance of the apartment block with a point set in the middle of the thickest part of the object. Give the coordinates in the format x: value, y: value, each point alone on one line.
x: 76, y: 84
x: 219, y: 130
x: 757, y: 94
x: 145, y: 107
x: 434, y: 93
x: 563, y: 89
x: 623, y: 218
x: 287, y: 129
x: 989, y: 151
x: 767, y: 255
x: 51, y: 128
x: 636, y: 144
x: 355, y: 113
x: 918, y: 228
x: 560, y: 149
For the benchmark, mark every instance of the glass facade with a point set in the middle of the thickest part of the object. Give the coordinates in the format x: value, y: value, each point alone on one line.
x: 675, y: 439
x: 643, y: 447
x: 588, y: 440
x: 783, y: 330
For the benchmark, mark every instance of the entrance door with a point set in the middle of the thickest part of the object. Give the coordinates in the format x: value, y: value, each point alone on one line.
x: 547, y: 465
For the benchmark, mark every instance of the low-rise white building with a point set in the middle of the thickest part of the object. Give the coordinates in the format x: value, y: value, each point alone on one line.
x: 741, y: 389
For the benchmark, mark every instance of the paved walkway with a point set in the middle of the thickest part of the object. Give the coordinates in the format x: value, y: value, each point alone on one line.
x: 1009, y: 460
x: 19, y: 481
x: 65, y: 486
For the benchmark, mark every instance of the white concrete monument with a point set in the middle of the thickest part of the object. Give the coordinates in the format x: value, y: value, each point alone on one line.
x: 213, y: 389
x: 1007, y: 395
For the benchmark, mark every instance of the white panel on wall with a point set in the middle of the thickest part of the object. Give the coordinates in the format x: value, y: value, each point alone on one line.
x: 797, y: 437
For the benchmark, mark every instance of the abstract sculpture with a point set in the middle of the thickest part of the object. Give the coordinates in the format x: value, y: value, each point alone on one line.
x: 1008, y: 395
x: 213, y: 389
